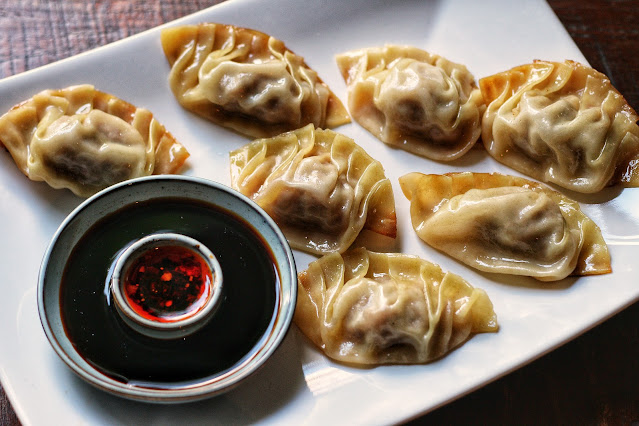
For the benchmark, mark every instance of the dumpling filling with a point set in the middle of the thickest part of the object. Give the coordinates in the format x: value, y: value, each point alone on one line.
x: 93, y: 150
x: 265, y: 92
x: 510, y: 230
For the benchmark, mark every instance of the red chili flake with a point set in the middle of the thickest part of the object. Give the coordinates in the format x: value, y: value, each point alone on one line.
x: 166, y: 282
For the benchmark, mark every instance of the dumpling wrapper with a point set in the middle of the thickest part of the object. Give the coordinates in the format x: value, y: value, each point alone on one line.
x: 319, y: 186
x: 413, y: 100
x: 373, y: 308
x: 505, y: 224
x: 86, y: 140
x: 562, y: 123
x: 247, y: 81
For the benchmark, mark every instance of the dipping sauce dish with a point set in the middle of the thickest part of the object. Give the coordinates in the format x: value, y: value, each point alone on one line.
x: 167, y: 289
x: 166, y: 285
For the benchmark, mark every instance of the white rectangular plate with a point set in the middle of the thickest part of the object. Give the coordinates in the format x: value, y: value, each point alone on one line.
x: 299, y: 384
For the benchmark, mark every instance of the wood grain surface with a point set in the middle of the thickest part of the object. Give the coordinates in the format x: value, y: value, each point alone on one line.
x: 591, y: 380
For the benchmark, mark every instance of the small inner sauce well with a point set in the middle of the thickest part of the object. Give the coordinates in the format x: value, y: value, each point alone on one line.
x: 167, y: 283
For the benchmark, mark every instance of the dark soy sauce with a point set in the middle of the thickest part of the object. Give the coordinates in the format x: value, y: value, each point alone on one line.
x: 242, y: 319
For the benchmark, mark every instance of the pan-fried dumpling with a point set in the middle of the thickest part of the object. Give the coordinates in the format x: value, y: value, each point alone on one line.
x: 386, y: 308
x: 86, y: 140
x: 562, y: 123
x: 247, y: 81
x: 414, y: 100
x: 505, y: 224
x: 319, y: 186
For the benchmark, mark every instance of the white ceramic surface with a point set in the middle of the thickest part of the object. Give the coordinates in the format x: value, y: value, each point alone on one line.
x: 298, y: 384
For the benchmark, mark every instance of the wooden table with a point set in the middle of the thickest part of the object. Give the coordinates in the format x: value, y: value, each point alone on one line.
x: 592, y: 380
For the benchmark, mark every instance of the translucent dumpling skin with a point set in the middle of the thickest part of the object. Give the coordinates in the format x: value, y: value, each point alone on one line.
x: 413, y: 100
x: 247, y: 81
x: 373, y: 308
x: 505, y: 224
x: 319, y: 186
x: 86, y: 140
x: 562, y: 123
